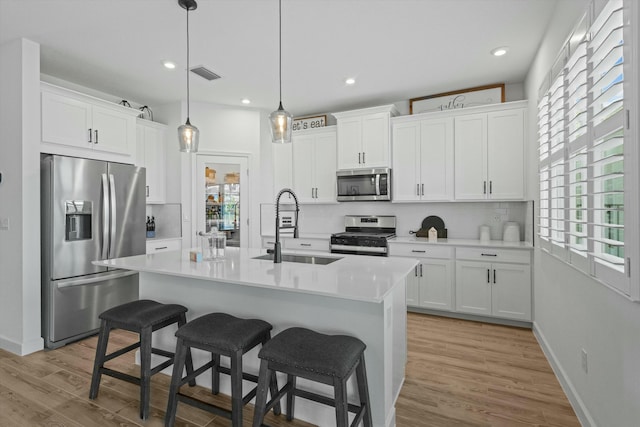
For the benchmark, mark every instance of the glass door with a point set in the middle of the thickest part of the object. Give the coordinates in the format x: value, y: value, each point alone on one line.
x: 221, y: 194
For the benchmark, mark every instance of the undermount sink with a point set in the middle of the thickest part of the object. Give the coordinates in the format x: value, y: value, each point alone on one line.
x: 305, y: 259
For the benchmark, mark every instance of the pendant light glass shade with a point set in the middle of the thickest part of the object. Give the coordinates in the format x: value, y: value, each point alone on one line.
x: 188, y: 135
x: 280, y: 126
x: 280, y: 119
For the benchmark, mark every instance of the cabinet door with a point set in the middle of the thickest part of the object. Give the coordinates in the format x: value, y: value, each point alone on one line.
x: 406, y: 162
x: 303, y: 161
x: 511, y: 293
x: 473, y: 287
x: 66, y: 120
x: 505, y: 152
x: 471, y: 157
x: 350, y: 143
x: 375, y: 140
x: 436, y: 284
x: 154, y: 162
x: 282, y: 169
x: 113, y: 130
x: 413, y: 283
x: 325, y: 167
x: 436, y: 159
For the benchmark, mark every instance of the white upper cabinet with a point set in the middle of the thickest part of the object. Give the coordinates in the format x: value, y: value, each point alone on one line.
x: 364, y: 137
x: 282, y: 169
x: 80, y: 121
x: 150, y: 153
x: 489, y: 155
x: 314, y: 165
x: 422, y: 159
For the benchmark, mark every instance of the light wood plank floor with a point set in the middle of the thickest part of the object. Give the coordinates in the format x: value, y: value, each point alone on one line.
x: 459, y: 373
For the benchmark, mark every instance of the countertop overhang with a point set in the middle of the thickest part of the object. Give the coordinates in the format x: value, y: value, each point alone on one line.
x: 354, y: 277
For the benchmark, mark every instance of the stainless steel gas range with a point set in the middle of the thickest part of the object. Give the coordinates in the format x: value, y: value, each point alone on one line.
x: 364, y: 235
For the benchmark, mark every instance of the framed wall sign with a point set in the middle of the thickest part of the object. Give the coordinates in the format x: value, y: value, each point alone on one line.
x: 302, y: 123
x: 464, y: 98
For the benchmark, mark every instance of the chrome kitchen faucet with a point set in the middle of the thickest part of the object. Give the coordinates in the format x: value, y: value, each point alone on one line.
x: 277, y: 253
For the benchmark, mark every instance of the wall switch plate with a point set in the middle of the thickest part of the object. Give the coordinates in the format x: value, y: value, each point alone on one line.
x: 583, y: 357
x: 4, y: 223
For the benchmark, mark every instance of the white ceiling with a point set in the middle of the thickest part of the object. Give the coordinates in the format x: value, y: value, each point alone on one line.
x: 396, y: 49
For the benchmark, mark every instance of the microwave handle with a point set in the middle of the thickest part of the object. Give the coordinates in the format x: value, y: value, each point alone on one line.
x: 377, y: 184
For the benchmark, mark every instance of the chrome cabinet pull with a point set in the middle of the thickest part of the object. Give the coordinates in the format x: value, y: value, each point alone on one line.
x: 417, y: 189
x: 417, y: 251
x: 423, y: 189
x: 359, y: 155
x: 484, y: 188
x: 489, y: 254
x: 488, y: 274
x: 420, y: 270
x: 363, y: 160
x: 161, y: 247
x: 494, y: 276
x: 96, y: 134
x: 147, y: 191
x: 90, y: 136
x: 305, y: 244
x: 490, y: 187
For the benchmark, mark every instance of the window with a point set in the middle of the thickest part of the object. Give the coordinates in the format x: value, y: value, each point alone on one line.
x: 582, y: 132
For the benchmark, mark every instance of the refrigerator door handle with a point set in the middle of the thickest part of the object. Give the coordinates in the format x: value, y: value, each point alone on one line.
x: 105, y: 218
x: 99, y: 278
x: 114, y: 220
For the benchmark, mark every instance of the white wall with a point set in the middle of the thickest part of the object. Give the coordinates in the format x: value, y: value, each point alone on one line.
x: 573, y: 312
x: 20, y: 197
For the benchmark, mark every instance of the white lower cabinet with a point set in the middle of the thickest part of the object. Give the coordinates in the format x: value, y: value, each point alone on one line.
x: 498, y: 289
x: 476, y: 280
x: 431, y: 284
x: 163, y: 245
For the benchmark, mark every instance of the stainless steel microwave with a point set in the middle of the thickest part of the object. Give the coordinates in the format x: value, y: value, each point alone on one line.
x: 364, y: 184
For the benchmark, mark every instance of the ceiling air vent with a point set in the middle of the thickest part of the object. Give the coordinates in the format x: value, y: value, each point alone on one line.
x: 205, y: 73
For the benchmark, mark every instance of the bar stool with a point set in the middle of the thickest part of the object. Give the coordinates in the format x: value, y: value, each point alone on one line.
x: 143, y: 317
x: 219, y: 334
x: 328, y: 359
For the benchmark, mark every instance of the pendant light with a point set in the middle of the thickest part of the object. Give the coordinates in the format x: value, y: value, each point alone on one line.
x: 188, y: 134
x: 280, y: 119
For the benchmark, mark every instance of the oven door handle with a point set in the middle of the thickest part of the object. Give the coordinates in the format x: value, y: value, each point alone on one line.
x: 372, y: 249
x: 378, y: 184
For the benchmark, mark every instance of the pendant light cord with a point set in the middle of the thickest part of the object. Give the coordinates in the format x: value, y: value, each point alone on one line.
x: 280, y: 45
x: 187, y: 63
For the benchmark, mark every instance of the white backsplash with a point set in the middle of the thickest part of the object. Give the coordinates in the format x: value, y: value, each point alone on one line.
x: 168, y: 220
x: 462, y: 219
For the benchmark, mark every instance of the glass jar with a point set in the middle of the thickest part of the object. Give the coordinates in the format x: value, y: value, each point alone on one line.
x: 212, y: 244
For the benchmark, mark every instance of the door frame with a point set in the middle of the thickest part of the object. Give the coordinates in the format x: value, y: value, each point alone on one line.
x: 244, y: 159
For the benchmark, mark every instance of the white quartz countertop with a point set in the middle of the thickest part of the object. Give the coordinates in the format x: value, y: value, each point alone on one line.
x: 462, y: 242
x: 354, y: 277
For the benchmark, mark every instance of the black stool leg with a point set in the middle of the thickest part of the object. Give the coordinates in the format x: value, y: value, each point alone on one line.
x: 261, y: 395
x: 291, y: 399
x: 145, y: 371
x: 363, y: 391
x: 273, y: 381
x: 176, y: 379
x: 215, y: 373
x: 340, y: 390
x: 189, y: 360
x: 101, y: 351
x: 236, y: 389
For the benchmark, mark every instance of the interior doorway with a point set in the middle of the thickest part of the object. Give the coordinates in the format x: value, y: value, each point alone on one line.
x: 222, y: 196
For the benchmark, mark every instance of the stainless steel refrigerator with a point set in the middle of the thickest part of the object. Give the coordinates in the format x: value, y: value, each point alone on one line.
x: 90, y: 210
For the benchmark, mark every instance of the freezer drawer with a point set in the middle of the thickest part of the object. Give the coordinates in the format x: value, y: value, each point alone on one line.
x: 72, y: 306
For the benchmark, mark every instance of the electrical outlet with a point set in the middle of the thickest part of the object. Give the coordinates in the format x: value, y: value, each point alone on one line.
x: 583, y: 357
x: 4, y: 223
x: 496, y: 217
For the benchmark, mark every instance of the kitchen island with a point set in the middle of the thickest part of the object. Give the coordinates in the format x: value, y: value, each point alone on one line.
x: 361, y: 296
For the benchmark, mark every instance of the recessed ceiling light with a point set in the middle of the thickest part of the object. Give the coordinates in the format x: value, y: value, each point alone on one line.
x: 350, y: 81
x: 245, y: 101
x: 499, y: 51
x: 168, y: 64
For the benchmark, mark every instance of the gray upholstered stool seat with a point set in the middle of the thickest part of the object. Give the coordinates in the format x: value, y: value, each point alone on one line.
x: 328, y: 359
x: 222, y: 335
x: 143, y: 317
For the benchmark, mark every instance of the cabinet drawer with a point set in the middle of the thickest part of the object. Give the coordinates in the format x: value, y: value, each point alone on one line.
x: 494, y: 255
x: 306, y: 244
x: 420, y: 251
x: 164, y: 245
